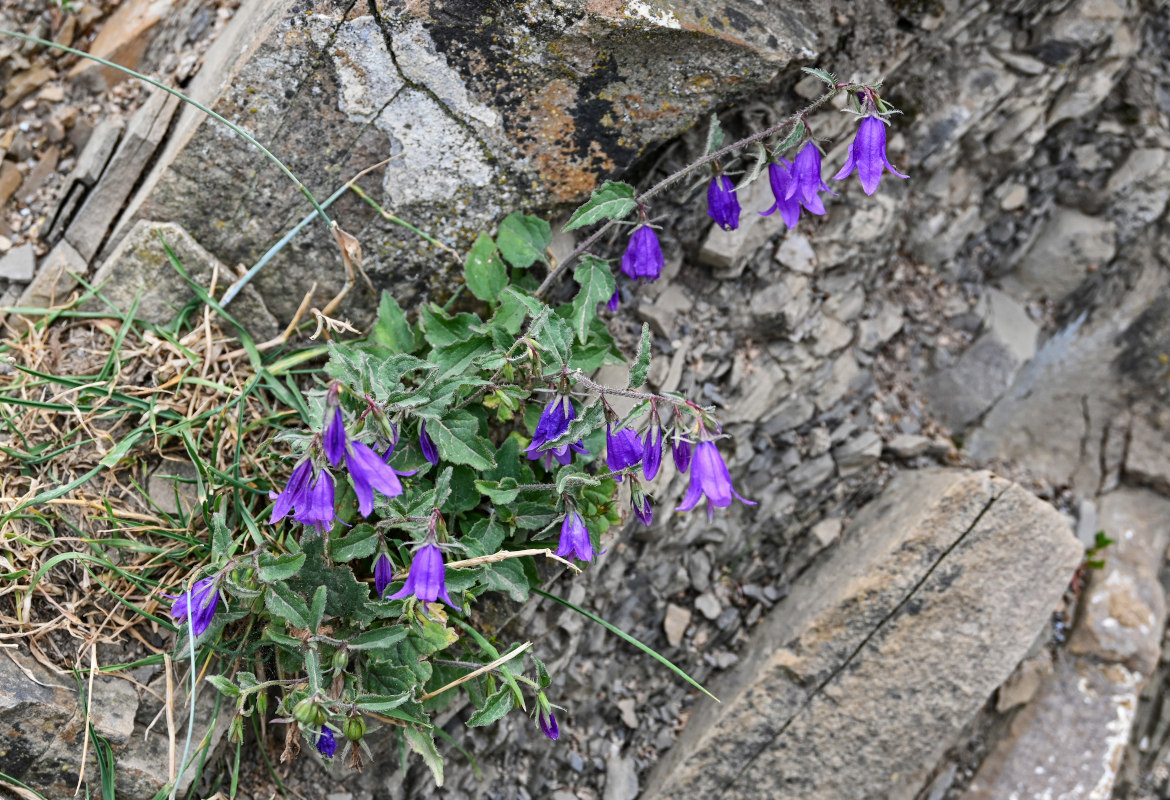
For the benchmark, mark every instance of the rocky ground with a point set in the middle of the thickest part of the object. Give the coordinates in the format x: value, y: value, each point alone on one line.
x: 1005, y: 308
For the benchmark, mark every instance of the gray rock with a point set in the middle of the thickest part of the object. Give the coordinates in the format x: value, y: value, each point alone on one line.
x: 811, y: 474
x: 1147, y: 456
x: 881, y: 654
x: 782, y: 306
x: 708, y: 605
x: 621, y: 778
x: 858, y: 453
x: 872, y: 333
x: 663, y: 312
x: 1139, y: 189
x: 675, y: 623
x: 908, y: 445
x: 797, y: 254
x: 1069, y: 245
x: 19, y: 264
x: 793, y: 410
x: 728, y: 251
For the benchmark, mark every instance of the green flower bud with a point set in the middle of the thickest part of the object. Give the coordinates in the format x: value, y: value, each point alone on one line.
x: 236, y: 730
x: 307, y: 712
x: 354, y: 728
x: 262, y: 701
x: 340, y: 659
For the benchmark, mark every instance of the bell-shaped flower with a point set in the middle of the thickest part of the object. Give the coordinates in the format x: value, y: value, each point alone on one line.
x: 563, y: 454
x: 612, y: 303
x: 807, y: 181
x: 548, y: 723
x: 428, y: 577
x: 326, y: 743
x: 709, y: 477
x: 429, y: 451
x: 317, y: 507
x: 680, y: 448
x: 575, y: 538
x: 641, y: 503
x: 368, y: 471
x: 722, y: 204
x: 334, y: 439
x: 293, y: 494
x: 652, y: 451
x: 622, y: 449
x: 553, y: 422
x: 780, y: 177
x: 198, y: 603
x: 867, y: 155
x: 383, y: 574
x: 643, y: 256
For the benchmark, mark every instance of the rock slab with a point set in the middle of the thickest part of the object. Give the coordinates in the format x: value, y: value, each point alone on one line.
x: 857, y: 683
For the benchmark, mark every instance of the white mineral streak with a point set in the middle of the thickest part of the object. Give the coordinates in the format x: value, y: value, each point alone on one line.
x: 662, y: 17
x: 439, y: 155
x: 1125, y: 700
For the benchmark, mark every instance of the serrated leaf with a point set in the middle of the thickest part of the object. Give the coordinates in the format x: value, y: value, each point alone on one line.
x: 360, y: 541
x: 485, y: 273
x: 499, y: 492
x: 348, y: 599
x: 392, y: 331
x: 515, y: 305
x: 484, y: 538
x: 379, y: 638
x: 285, y: 604
x: 613, y: 200
x: 423, y: 744
x: 441, y: 329
x: 756, y: 169
x: 791, y: 140
x: 317, y: 608
x: 221, y: 537
x: 816, y: 72
x: 570, y: 473
x: 281, y: 567
x: 494, y: 709
x: 457, y: 438
x: 641, y: 366
x: 454, y: 359
x: 523, y: 238
x: 714, y: 135
x: 542, y: 676
x: 380, y: 704
x: 225, y: 686
x: 596, y: 281
x: 508, y: 577
x: 554, y: 336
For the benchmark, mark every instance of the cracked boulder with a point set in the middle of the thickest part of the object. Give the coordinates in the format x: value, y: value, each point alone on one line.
x: 860, y: 680
x: 483, y: 108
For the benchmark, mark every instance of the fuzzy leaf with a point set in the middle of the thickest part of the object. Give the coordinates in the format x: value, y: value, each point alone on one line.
x: 794, y: 136
x: 360, y: 541
x: 494, y: 709
x: 641, y: 366
x: 440, y: 329
x: 596, y: 280
x: 424, y: 744
x: 286, y: 604
x: 392, y: 330
x: 281, y: 567
x: 379, y: 638
x: 827, y: 77
x: 225, y: 686
x: 756, y: 169
x: 523, y: 238
x: 714, y: 135
x: 508, y: 577
x: 457, y: 438
x: 614, y: 200
x: 501, y: 492
x: 317, y: 608
x: 485, y: 272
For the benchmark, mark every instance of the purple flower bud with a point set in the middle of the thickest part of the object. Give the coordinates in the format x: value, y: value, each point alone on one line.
x: 780, y: 176
x: 643, y: 510
x: 575, y: 538
x: 368, y: 471
x: 681, y: 450
x: 548, y: 723
x: 326, y: 743
x: 652, y: 452
x: 562, y: 454
x: 807, y: 181
x: 294, y: 491
x: 428, y: 577
x: 429, y: 451
x: 722, y: 204
x: 317, y: 505
x: 383, y: 574
x: 867, y: 154
x: 335, y: 438
x: 199, y: 603
x: 643, y: 256
x: 709, y: 477
x: 612, y: 303
x: 622, y: 449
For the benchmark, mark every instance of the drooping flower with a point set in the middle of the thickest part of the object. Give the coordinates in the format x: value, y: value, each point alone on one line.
x: 710, y: 477
x: 562, y: 454
x: 316, y: 506
x: 867, y: 154
x: 553, y: 422
x: 642, y: 510
x: 612, y: 303
x: 383, y: 574
x: 652, y: 451
x: 334, y: 440
x: 722, y: 204
x: 575, y: 538
x: 428, y: 577
x: 680, y: 448
x: 806, y: 179
x: 548, y: 723
x: 293, y: 492
x: 326, y: 743
x: 643, y: 256
x: 368, y: 471
x: 199, y: 602
x: 429, y: 451
x: 780, y: 177
x: 622, y: 449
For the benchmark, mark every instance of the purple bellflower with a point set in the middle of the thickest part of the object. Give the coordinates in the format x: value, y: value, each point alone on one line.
x: 563, y: 454
x: 622, y: 449
x: 368, y: 472
x: 612, y: 303
x: 652, y: 451
x: 643, y: 256
x: 326, y: 743
x: 780, y: 176
x: 554, y: 421
x: 199, y: 603
x: 807, y: 181
x: 428, y: 577
x: 867, y: 154
x: 575, y: 538
x: 429, y: 451
x: 316, y: 506
x: 334, y: 440
x: 548, y: 723
x: 710, y: 477
x: 722, y: 204
x: 642, y: 509
x: 680, y: 448
x: 293, y: 494
x: 383, y: 574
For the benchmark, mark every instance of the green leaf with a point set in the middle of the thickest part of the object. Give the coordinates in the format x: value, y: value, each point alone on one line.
x: 543, y: 677
x: 313, y: 668
x: 578, y: 478
x: 590, y: 419
x: 613, y: 200
x: 454, y: 359
x: 554, y: 335
x: 286, y: 604
x: 596, y: 280
x: 791, y: 140
x: 359, y: 542
x: 757, y: 167
x: 499, y: 492
x: 348, y: 599
x: 424, y: 744
x: 641, y: 365
x: 464, y: 496
x: 221, y: 537
x: 515, y: 305
x: 379, y: 638
x: 317, y: 608
x: 457, y: 438
x: 392, y: 330
x: 827, y: 77
x: 225, y: 686
x: 281, y: 567
x: 714, y: 135
x: 485, y: 273
x: 494, y: 709
x: 508, y: 577
x: 380, y: 704
x: 523, y: 239
x: 441, y: 329
x: 484, y: 538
